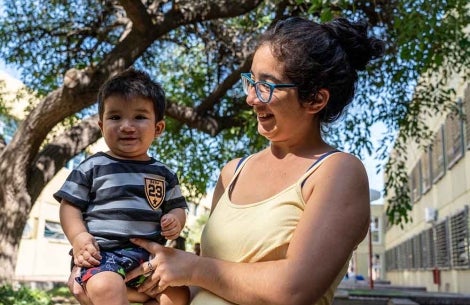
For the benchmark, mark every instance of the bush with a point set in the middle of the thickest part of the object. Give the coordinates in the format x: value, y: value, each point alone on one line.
x: 62, y: 291
x: 23, y: 296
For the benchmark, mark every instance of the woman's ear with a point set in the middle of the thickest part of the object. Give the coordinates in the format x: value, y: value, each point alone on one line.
x: 318, y: 101
x: 159, y: 128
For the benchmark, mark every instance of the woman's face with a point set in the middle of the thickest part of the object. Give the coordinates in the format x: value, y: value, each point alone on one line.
x: 282, y: 117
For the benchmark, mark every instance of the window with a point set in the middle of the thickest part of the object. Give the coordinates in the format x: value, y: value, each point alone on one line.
x: 454, y: 139
x: 466, y: 109
x: 409, y: 254
x: 460, y: 239
x: 28, y: 231
x: 426, y: 170
x: 417, y: 258
x: 395, y: 256
x: 375, y: 229
x: 437, y: 156
x: 441, y: 240
x: 376, y: 267
x: 427, y: 243
x: 53, y: 230
x: 416, y: 182
x: 401, y: 257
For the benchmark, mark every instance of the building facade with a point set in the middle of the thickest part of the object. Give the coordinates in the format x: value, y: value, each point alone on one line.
x: 433, y: 249
x: 368, y: 260
x: 43, y: 253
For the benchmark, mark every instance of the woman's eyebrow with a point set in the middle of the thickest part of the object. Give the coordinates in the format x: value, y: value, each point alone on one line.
x: 264, y: 76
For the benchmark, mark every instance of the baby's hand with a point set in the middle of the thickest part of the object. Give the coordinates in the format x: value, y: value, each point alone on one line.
x: 86, y: 252
x: 171, y: 227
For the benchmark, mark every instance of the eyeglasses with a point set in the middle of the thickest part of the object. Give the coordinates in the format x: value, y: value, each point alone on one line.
x: 264, y: 90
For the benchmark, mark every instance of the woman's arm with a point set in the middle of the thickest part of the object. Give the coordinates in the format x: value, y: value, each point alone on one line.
x: 335, y: 220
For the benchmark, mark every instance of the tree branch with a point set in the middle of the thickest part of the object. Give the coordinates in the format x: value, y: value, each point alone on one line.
x: 222, y: 88
x: 81, y: 86
x: 61, y: 149
x: 137, y: 13
x: 3, y: 144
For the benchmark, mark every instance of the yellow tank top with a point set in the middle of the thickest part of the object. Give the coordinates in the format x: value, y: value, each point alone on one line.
x: 255, y: 232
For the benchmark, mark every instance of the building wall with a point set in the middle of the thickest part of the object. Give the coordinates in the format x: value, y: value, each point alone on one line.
x: 371, y: 248
x: 40, y: 257
x: 436, y: 241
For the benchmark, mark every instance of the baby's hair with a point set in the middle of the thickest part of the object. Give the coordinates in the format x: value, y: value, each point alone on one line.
x: 133, y: 83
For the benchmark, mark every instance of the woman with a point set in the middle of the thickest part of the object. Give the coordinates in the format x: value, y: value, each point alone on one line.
x: 284, y: 221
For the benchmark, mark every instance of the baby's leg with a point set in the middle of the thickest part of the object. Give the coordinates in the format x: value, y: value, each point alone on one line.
x: 76, y: 289
x: 174, y: 296
x: 107, y: 287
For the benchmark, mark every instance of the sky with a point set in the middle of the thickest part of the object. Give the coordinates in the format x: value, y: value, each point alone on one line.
x: 11, y: 71
x: 376, y: 180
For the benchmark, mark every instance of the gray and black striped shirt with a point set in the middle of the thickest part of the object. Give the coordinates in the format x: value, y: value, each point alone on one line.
x: 121, y: 199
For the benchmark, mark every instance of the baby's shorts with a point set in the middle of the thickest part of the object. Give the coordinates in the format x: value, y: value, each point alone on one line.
x: 120, y: 261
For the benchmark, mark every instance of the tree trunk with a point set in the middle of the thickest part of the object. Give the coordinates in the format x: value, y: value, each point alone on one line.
x: 16, y: 204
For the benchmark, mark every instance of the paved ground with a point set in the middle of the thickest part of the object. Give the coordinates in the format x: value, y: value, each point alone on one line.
x: 360, y: 293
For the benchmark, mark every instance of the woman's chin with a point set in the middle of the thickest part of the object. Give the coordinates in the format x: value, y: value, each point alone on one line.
x: 267, y: 133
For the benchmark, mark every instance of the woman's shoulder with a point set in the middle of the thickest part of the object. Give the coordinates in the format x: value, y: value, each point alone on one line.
x: 342, y: 166
x: 230, y: 168
x: 347, y: 170
x: 344, y: 159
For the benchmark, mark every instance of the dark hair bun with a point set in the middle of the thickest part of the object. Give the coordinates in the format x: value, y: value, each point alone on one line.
x: 353, y: 38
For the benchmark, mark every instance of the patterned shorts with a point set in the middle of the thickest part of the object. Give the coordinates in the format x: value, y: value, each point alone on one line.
x: 119, y: 261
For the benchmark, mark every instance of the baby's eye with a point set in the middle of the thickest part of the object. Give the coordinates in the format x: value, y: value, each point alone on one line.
x: 114, y: 117
x: 141, y: 117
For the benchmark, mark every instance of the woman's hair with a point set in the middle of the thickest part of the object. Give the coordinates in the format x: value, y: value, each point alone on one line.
x: 328, y: 56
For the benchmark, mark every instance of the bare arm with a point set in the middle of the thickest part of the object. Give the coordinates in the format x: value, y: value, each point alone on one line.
x: 335, y: 220
x: 85, y: 249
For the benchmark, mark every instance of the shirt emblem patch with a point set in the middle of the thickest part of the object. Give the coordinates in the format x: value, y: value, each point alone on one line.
x: 154, y: 191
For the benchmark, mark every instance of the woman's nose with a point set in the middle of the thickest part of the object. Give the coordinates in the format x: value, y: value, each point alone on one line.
x: 251, y: 97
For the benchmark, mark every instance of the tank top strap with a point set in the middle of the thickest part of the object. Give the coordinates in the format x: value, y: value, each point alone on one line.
x: 240, y: 162
x: 238, y: 169
x: 315, y: 165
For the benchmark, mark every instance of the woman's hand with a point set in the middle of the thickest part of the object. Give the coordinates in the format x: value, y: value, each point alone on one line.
x: 168, y: 267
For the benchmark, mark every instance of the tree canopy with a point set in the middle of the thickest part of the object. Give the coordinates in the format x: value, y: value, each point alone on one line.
x: 197, y: 50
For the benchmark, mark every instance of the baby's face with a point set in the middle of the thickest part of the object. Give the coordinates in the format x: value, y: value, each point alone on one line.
x: 129, y: 127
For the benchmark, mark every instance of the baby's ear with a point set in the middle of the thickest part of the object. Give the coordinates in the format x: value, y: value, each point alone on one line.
x: 159, y: 128
x: 100, y: 124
